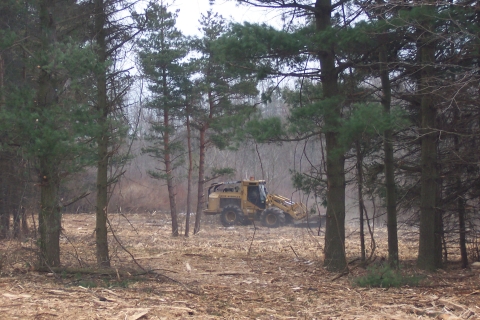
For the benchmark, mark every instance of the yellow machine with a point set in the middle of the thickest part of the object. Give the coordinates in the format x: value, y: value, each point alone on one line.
x: 240, y: 202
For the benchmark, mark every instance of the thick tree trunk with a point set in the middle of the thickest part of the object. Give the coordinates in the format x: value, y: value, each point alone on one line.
x: 49, y: 220
x: 189, y: 178
x: 391, y: 201
x: 335, y: 259
x: 101, y: 230
x: 201, y: 181
x: 167, y: 157
x: 429, y: 251
x: 335, y: 224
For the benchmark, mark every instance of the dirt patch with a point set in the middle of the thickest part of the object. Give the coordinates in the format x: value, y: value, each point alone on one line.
x: 221, y: 273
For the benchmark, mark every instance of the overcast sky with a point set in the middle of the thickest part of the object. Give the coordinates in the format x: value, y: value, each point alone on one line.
x: 190, y: 11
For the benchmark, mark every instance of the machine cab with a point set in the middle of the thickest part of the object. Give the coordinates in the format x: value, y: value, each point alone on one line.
x: 257, y: 193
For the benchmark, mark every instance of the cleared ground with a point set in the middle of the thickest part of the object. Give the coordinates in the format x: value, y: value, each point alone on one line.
x: 235, y: 273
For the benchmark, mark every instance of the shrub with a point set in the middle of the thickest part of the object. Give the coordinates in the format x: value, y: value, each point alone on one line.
x: 383, y: 276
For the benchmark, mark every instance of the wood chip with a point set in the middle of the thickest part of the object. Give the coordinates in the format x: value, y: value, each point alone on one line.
x: 139, y: 314
x: 245, y: 273
x: 16, y: 296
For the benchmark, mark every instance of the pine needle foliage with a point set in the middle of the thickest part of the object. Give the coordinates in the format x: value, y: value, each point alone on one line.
x: 383, y: 276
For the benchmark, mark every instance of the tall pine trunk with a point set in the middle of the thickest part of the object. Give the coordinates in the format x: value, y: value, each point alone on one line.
x: 361, y: 205
x: 391, y: 201
x: 167, y: 156
x: 201, y: 180
x: 101, y: 239
x: 4, y: 214
x: 460, y: 200
x: 430, y: 249
x: 49, y: 216
x: 2, y: 84
x: 16, y: 195
x: 335, y: 259
x: 49, y: 220
x: 169, y: 174
x: 462, y: 227
x: 101, y: 230
x: 201, y: 164
x: 11, y: 169
x: 189, y: 178
x: 4, y: 201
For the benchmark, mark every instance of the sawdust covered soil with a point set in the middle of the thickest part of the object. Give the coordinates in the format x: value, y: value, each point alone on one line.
x: 244, y: 272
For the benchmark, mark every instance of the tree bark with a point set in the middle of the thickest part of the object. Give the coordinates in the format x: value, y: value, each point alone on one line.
x: 391, y: 200
x: 24, y: 220
x: 49, y: 220
x: 360, y: 198
x: 167, y: 155
x: 429, y: 251
x: 4, y: 200
x: 101, y: 230
x: 335, y: 223
x: 189, y: 178
x: 460, y: 201
x: 17, y: 214
x: 15, y: 196
x: 201, y: 180
x: 168, y: 170
x: 4, y: 214
x: 2, y: 85
x: 461, y: 223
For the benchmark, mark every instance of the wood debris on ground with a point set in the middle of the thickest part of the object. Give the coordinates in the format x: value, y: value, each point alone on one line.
x: 221, y: 273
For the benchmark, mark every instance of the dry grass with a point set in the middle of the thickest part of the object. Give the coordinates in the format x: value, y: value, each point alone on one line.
x: 218, y: 274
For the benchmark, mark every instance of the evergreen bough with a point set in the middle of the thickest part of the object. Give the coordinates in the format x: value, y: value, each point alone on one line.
x: 383, y: 276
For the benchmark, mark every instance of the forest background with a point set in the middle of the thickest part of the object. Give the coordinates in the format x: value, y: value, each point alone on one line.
x: 376, y: 98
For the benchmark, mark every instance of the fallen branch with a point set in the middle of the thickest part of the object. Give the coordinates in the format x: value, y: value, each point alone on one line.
x: 86, y: 271
x: 344, y: 273
x: 296, y: 255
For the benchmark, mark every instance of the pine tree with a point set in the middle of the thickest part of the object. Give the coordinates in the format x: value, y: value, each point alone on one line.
x: 425, y: 55
x: 12, y: 17
x: 110, y: 33
x: 44, y: 111
x: 317, y: 38
x: 434, y: 71
x: 162, y: 51
x: 54, y: 121
x: 103, y: 110
x: 225, y: 92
